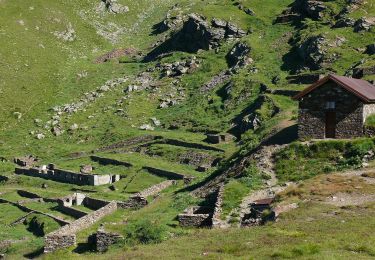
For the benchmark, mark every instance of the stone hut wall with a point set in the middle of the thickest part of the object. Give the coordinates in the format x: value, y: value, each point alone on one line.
x: 67, y: 176
x: 94, y: 204
x: 75, y: 213
x: 65, y: 236
x: 349, y: 113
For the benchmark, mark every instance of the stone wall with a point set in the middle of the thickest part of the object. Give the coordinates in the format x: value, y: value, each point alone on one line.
x: 134, y: 202
x: 65, y: 236
x: 196, y: 217
x: 349, y: 113
x: 106, y: 161
x: 75, y: 213
x: 156, y: 188
x: 216, y: 217
x: 94, y: 204
x: 104, y: 239
x: 164, y: 173
x: 68, y: 176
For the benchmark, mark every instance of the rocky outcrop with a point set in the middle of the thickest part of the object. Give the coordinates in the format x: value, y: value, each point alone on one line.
x: 314, y: 52
x: 364, y: 24
x: 112, y: 6
x: 312, y: 9
x: 238, y: 56
x: 198, y: 34
x: 118, y: 53
x: 370, y: 49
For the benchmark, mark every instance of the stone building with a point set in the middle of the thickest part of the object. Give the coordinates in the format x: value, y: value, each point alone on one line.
x: 335, y: 107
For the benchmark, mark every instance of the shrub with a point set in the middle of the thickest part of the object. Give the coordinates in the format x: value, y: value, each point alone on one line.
x: 145, y: 232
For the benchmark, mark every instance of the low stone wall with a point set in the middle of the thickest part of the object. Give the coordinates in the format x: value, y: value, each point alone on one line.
x: 106, y: 161
x: 94, y: 204
x: 135, y: 202
x: 129, y: 142
x: 156, y: 188
x: 192, y: 145
x: 104, y: 239
x: 75, y: 213
x: 216, y: 218
x: 65, y: 236
x: 28, y: 194
x: 196, y: 217
x: 68, y: 176
x: 164, y: 173
x: 26, y: 209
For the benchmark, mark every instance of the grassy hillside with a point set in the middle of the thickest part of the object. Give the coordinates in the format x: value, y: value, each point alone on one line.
x: 51, y: 63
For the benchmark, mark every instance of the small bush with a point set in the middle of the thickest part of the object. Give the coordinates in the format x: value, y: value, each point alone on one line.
x: 144, y: 232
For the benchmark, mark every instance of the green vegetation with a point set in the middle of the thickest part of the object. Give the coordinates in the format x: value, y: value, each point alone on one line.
x: 299, y: 161
x: 39, y: 71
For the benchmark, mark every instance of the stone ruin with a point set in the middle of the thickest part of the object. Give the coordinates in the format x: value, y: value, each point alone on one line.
x: 103, y: 239
x: 219, y: 138
x: 51, y: 173
x: 203, y: 216
x: 26, y: 161
x: 196, y: 216
x: 261, y: 212
x: 66, y: 235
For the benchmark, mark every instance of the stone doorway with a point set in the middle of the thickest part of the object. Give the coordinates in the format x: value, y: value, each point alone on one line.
x: 330, y: 129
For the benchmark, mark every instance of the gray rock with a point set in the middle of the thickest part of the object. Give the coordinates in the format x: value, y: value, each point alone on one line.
x: 344, y: 22
x: 238, y: 56
x: 40, y: 136
x: 370, y: 49
x: 146, y: 127
x: 364, y: 24
x: 312, y: 9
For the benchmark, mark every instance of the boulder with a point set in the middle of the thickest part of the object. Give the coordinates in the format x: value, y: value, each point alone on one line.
x: 364, y: 24
x: 313, y: 9
x: 313, y: 51
x: 344, y: 22
x: 238, y: 56
x: 370, y: 49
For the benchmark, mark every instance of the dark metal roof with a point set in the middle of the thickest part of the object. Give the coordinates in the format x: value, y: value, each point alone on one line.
x: 361, y: 88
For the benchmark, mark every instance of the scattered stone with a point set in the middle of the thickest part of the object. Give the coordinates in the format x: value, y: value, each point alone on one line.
x: 179, y: 68
x: 86, y: 169
x: 40, y: 136
x: 73, y: 127
x: 147, y: 127
x: 17, y: 115
x: 26, y: 161
x: 165, y: 103
x: 155, y: 121
x: 57, y: 131
x: 112, y: 6
x: 68, y: 35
